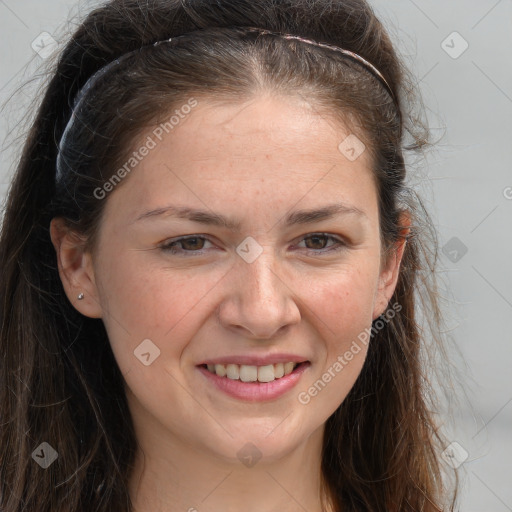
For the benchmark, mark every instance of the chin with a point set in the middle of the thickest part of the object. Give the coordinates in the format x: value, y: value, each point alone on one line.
x: 255, y: 441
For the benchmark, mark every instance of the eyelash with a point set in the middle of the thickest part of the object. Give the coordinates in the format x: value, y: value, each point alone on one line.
x: 168, y: 247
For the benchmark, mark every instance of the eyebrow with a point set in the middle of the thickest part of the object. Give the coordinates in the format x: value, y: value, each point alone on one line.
x: 215, y: 219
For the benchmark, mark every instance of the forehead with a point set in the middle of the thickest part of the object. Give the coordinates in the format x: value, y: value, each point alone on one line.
x: 287, y: 125
x: 270, y: 147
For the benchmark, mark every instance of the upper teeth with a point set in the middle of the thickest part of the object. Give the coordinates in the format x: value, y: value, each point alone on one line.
x: 247, y: 373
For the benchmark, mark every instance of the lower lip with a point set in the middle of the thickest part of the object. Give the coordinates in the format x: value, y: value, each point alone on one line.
x: 256, y: 391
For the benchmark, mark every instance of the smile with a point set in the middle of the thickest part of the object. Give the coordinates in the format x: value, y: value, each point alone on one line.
x: 249, y: 373
x: 254, y: 383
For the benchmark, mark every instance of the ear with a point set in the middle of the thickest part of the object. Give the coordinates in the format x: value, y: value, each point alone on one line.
x: 389, y: 276
x: 75, y: 268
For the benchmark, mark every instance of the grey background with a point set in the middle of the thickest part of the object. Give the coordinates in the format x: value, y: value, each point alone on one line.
x: 466, y: 183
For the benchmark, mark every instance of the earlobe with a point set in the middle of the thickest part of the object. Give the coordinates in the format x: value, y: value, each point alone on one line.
x: 75, y: 269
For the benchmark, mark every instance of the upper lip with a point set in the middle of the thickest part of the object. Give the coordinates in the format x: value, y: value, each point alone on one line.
x: 256, y: 360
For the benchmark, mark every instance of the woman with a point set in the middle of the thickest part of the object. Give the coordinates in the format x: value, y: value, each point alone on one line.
x: 207, y: 298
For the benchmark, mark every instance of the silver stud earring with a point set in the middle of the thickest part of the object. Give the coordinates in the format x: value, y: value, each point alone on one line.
x: 81, y: 296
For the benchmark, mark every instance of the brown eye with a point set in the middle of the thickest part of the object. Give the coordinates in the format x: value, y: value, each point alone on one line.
x: 192, y: 244
x: 317, y: 243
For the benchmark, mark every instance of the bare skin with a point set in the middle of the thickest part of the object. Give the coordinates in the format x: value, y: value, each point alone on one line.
x: 255, y: 162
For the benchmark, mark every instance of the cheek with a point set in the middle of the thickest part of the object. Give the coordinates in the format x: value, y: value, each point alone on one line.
x: 343, y: 300
x: 161, y: 304
x: 342, y: 307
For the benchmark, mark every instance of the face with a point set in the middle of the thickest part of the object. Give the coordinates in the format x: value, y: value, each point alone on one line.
x: 179, y: 292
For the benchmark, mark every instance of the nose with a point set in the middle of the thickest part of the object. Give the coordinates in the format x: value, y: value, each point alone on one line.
x: 260, y: 300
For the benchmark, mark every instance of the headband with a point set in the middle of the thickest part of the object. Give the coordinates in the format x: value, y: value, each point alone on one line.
x: 98, y: 74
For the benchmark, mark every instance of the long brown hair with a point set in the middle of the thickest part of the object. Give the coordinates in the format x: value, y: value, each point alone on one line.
x: 59, y: 382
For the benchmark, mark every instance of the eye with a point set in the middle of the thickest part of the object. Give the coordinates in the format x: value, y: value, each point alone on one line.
x: 194, y: 245
x: 319, y: 240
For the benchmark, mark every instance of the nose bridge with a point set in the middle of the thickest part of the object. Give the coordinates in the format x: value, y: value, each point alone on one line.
x: 261, y: 302
x: 263, y: 283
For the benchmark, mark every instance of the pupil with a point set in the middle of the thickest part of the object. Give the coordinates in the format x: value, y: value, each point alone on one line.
x: 316, y: 237
x: 190, y: 240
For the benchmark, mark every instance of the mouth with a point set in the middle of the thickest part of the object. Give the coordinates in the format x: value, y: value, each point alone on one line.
x: 251, y: 373
x: 254, y: 383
